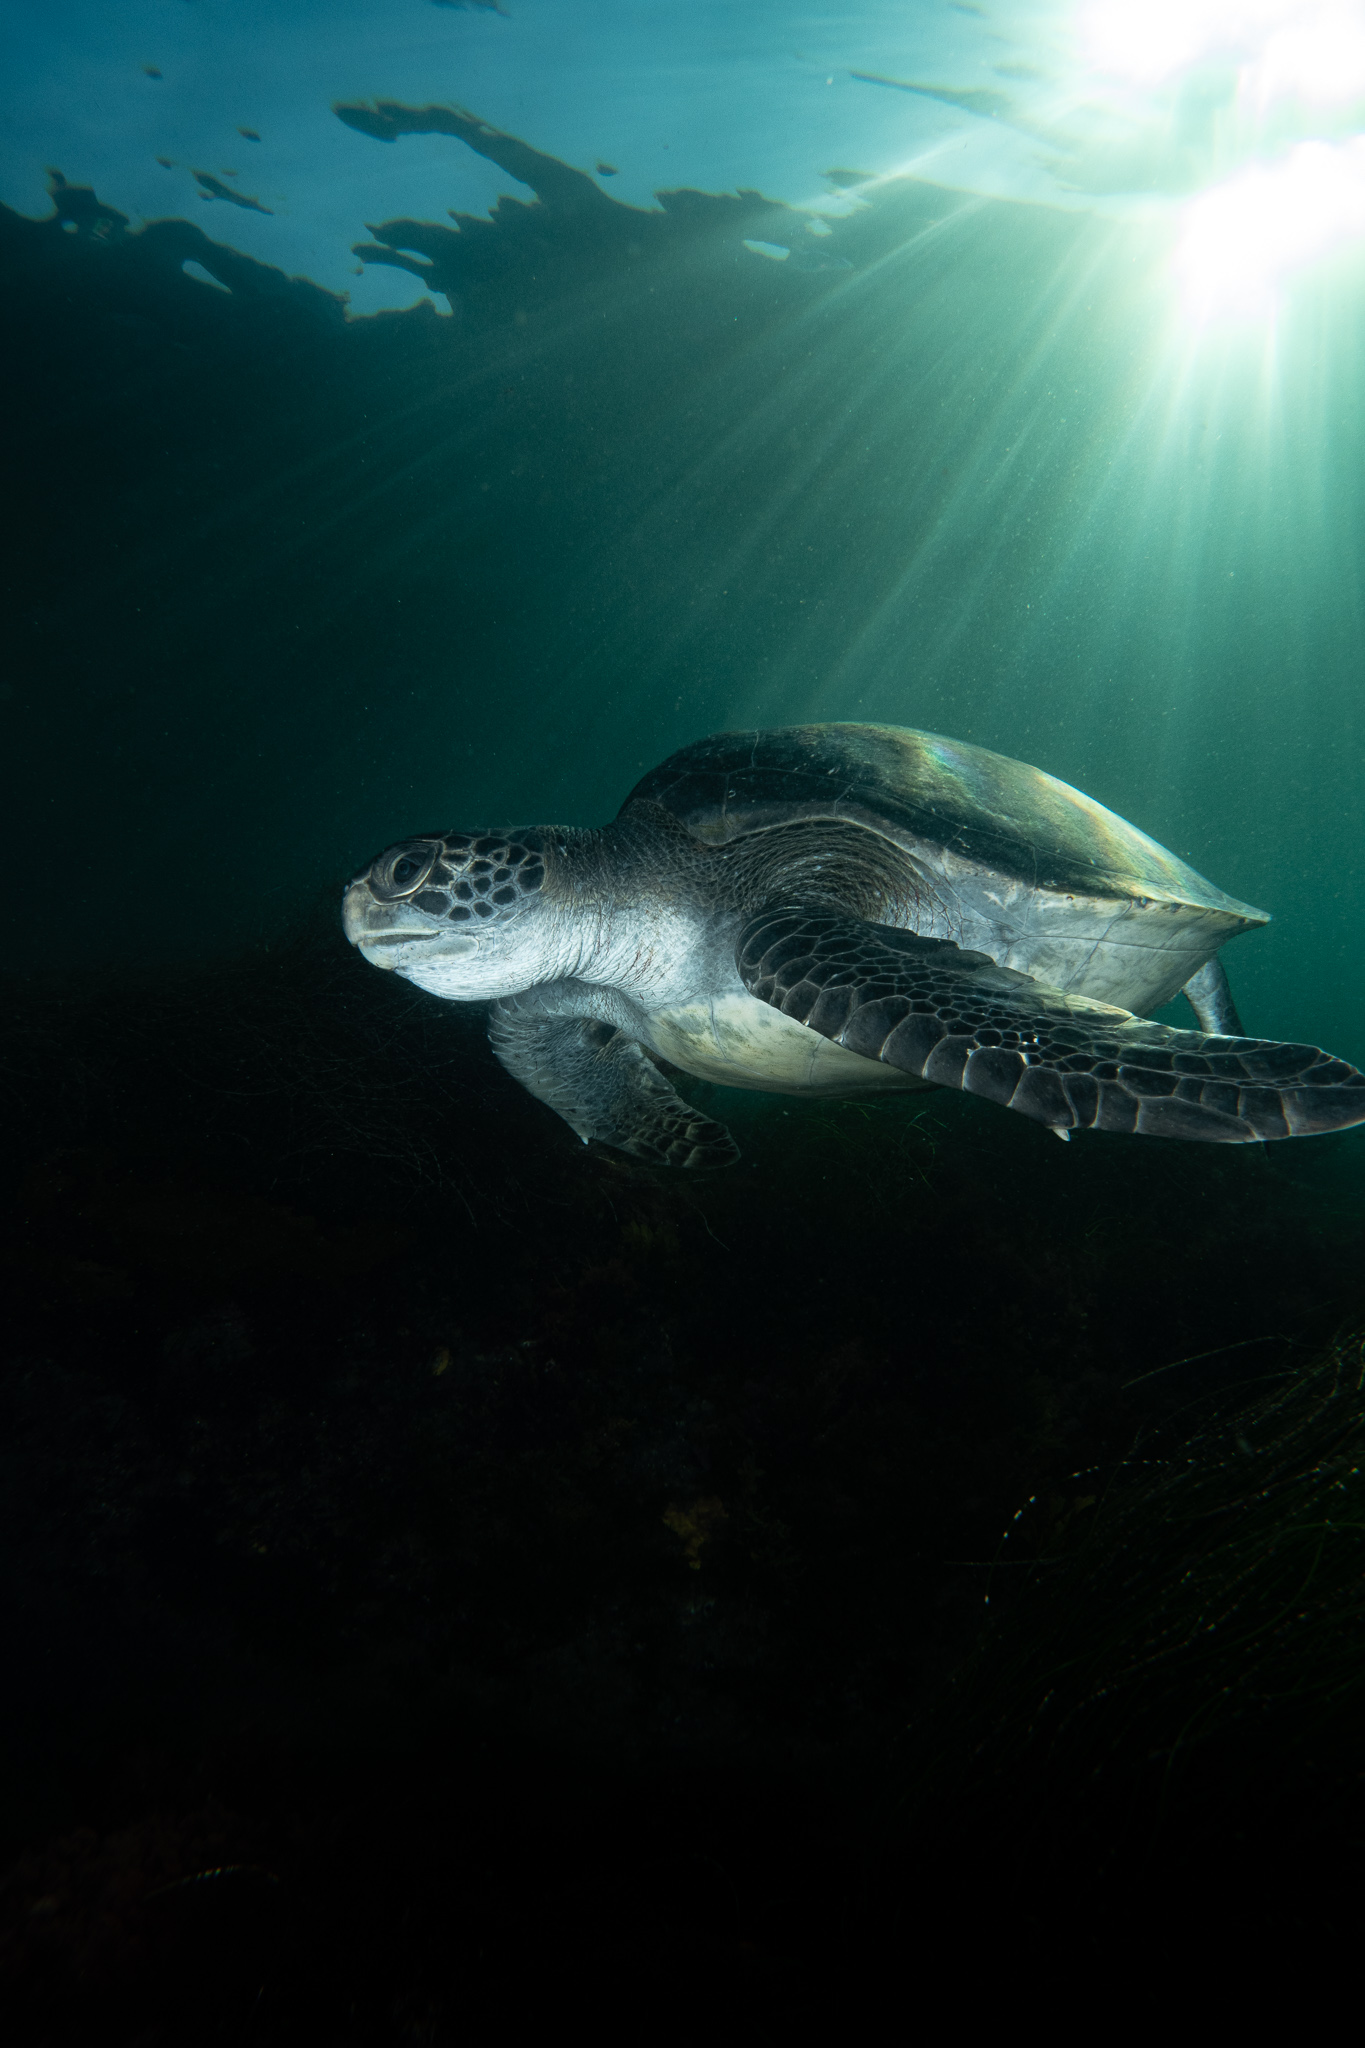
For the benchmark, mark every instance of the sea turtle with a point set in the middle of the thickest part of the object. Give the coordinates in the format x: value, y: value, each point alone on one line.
x: 832, y: 909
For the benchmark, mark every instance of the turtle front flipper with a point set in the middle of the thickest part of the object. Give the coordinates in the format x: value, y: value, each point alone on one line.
x: 605, y: 1087
x: 954, y: 1017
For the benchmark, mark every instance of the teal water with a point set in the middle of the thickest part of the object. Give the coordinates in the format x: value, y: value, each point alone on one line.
x: 432, y: 1524
x: 326, y: 583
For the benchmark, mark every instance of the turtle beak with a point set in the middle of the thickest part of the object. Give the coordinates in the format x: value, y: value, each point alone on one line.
x: 393, y: 935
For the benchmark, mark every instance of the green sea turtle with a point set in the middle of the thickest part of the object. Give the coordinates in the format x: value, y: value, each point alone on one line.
x: 833, y: 909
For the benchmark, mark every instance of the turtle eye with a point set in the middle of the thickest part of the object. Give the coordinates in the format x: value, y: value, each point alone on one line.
x: 402, y: 870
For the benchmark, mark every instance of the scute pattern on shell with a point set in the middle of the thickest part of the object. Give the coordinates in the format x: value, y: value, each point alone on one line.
x: 924, y: 787
x: 953, y: 1017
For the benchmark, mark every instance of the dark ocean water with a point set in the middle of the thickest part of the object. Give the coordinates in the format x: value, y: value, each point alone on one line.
x: 445, y: 1563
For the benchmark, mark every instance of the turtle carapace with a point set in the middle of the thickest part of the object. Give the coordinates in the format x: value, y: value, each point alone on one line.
x: 835, y: 909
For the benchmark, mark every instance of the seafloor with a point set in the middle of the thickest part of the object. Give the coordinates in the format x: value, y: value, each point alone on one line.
x: 451, y: 1570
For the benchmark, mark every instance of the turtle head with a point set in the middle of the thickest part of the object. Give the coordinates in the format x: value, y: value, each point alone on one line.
x: 461, y: 914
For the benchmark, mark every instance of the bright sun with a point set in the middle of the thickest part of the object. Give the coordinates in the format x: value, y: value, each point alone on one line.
x: 1291, y: 202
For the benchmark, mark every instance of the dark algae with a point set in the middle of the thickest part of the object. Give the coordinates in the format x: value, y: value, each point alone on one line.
x: 457, y: 1577
x: 430, y: 1541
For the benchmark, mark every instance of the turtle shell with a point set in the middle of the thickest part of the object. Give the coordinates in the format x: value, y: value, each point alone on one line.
x: 918, y: 786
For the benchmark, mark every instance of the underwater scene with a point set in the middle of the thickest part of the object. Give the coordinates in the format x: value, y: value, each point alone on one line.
x: 649, y: 646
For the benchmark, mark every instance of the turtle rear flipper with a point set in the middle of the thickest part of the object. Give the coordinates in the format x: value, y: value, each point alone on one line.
x: 605, y: 1087
x: 1210, y: 997
x: 954, y: 1017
